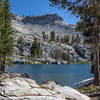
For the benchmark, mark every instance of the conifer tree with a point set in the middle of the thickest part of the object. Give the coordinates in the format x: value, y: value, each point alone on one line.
x: 6, y: 36
x: 36, y: 49
x: 20, y: 43
x: 1, y: 16
x: 1, y: 4
x: 58, y: 38
x: 73, y: 39
x: 64, y: 56
x: 52, y: 36
x: 90, y: 27
x: 69, y: 58
x: 66, y: 38
x: 44, y: 35
x: 62, y: 40
x: 77, y: 38
x: 39, y: 50
x: 1, y: 27
x: 86, y: 9
x: 57, y: 54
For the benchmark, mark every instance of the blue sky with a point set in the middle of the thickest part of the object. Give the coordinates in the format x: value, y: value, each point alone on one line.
x: 40, y: 7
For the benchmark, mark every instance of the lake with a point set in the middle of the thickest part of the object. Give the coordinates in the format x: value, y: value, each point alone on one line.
x: 67, y: 74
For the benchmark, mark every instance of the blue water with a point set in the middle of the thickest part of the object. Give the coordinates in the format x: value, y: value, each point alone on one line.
x: 62, y: 74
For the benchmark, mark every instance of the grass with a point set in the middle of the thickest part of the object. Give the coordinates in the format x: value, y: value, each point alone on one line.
x: 49, y: 42
x: 31, y: 62
x: 89, y: 89
x: 43, y: 62
x: 21, y: 57
x: 36, y: 62
x: 83, y: 62
x: 45, y: 87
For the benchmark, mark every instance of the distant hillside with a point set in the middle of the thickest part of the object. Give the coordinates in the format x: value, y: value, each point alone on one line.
x: 45, y: 19
x: 47, y: 23
x: 31, y: 27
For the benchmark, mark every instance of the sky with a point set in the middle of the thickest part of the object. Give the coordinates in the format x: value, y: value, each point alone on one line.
x: 40, y: 7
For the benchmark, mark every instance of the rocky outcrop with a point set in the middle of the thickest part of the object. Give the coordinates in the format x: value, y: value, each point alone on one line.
x: 45, y: 19
x: 20, y: 87
x: 83, y: 51
x: 34, y: 25
x: 16, y: 17
x: 47, y: 23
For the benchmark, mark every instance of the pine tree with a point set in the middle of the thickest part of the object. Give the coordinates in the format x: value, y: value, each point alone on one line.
x: 1, y: 16
x: 77, y: 38
x: 52, y: 36
x: 20, y: 43
x: 6, y: 37
x: 73, y: 39
x: 90, y: 27
x: 86, y: 10
x: 1, y: 28
x: 58, y: 38
x: 66, y: 38
x: 64, y: 56
x: 39, y: 50
x: 1, y: 4
x: 69, y: 58
x: 44, y: 35
x: 57, y: 54
x: 20, y: 40
x: 36, y: 49
x: 62, y: 39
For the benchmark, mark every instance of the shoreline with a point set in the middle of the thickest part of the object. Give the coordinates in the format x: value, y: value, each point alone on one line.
x: 20, y: 86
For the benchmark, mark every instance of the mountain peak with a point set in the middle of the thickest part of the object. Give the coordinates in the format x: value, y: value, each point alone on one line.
x: 44, y: 19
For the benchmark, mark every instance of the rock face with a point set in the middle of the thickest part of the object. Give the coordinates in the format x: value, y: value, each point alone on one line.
x: 45, y: 19
x: 16, y: 17
x: 33, y: 26
x: 83, y: 51
x: 47, y: 23
x: 19, y: 87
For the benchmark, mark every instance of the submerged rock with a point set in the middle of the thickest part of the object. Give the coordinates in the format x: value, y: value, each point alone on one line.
x: 15, y: 86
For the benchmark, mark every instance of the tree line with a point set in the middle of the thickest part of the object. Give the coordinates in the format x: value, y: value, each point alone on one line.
x: 72, y: 39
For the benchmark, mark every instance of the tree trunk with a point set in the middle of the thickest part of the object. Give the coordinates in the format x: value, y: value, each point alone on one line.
x: 3, y: 68
x: 96, y: 69
x: 3, y: 65
x: 96, y: 42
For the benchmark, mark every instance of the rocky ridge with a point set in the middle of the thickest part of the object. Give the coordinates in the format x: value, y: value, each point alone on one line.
x: 47, y: 23
x: 15, y: 86
x: 33, y: 26
x: 44, y: 19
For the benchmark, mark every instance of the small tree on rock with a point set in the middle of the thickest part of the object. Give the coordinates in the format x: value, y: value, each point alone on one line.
x: 20, y: 43
x: 36, y: 49
x: 52, y: 36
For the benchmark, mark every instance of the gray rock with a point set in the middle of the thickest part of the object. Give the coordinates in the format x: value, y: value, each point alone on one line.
x: 34, y: 25
x: 83, y: 51
x: 19, y: 87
